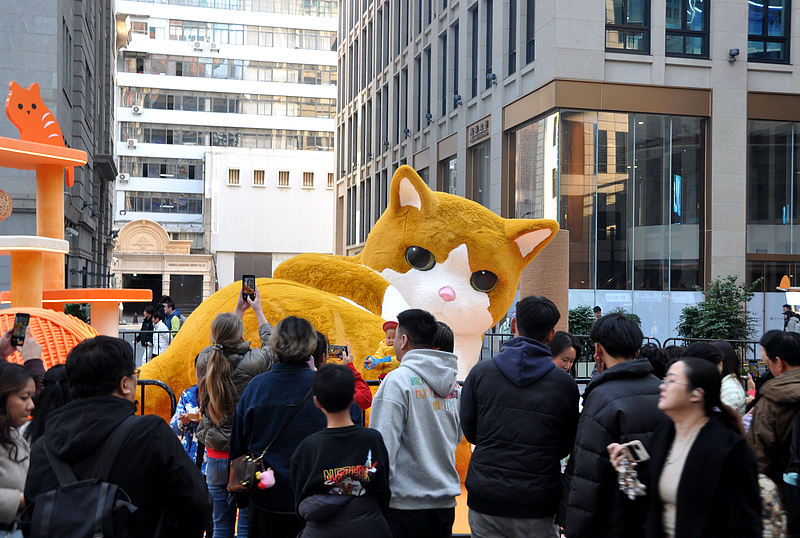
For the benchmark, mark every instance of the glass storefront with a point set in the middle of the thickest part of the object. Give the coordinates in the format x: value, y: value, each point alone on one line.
x: 628, y: 187
x: 480, y: 155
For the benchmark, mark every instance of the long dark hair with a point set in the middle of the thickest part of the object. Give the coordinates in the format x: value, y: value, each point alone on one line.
x: 13, y: 378
x: 730, y: 363
x: 54, y: 394
x: 702, y: 374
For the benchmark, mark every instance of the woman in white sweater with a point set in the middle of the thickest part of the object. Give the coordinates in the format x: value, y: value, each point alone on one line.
x: 16, y: 403
x: 732, y: 393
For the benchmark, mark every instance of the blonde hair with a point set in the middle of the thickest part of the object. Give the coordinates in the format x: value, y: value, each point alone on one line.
x: 216, y: 391
x: 293, y: 340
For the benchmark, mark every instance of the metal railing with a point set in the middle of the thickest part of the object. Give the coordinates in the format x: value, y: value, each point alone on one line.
x: 156, y: 383
x: 140, y: 352
x: 747, y: 351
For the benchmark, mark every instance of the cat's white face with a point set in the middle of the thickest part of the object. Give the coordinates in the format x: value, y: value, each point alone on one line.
x: 445, y: 291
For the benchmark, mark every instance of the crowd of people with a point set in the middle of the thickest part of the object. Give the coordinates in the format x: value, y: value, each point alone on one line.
x: 662, y: 442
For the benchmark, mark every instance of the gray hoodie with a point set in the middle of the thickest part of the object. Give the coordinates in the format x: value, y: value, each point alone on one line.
x: 416, y: 411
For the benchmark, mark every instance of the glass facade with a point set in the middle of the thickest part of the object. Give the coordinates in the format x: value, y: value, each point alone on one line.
x: 154, y: 133
x: 628, y: 26
x: 318, y: 8
x: 687, y: 28
x: 480, y: 156
x: 773, y: 188
x: 628, y: 187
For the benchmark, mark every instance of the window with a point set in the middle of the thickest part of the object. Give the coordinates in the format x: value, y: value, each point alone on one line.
x: 283, y: 178
x: 480, y: 158
x: 768, y: 31
x: 233, y: 176
x: 428, y: 114
x: 687, y: 28
x: 330, y: 180
x: 443, y: 59
x: 529, y: 31
x: 66, y: 59
x: 455, y: 59
x: 512, y: 37
x: 164, y: 202
x: 473, y: 15
x: 308, y: 179
x: 489, y: 36
x: 628, y: 26
x: 258, y: 178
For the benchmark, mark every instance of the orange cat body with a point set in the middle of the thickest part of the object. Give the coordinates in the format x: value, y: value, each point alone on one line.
x: 34, y: 120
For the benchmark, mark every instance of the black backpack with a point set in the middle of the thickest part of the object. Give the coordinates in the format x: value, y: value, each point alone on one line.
x: 91, y: 507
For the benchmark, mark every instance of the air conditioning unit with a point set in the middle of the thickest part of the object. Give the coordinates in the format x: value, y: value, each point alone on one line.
x: 132, y: 143
x: 214, y: 47
x: 122, y: 177
x: 198, y: 45
x: 137, y: 110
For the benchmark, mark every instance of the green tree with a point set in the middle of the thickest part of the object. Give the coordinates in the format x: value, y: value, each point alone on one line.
x: 722, y: 314
x: 581, y: 319
x: 630, y: 315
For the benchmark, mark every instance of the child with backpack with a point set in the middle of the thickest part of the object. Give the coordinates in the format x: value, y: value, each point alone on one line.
x: 341, y: 474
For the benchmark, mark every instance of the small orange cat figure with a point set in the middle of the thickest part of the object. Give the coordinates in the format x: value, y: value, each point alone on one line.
x: 34, y: 120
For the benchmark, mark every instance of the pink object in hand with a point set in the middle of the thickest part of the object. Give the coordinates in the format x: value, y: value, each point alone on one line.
x: 447, y: 293
x: 267, y: 479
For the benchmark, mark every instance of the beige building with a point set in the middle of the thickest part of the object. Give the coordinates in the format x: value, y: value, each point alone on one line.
x: 145, y: 257
x: 664, y: 135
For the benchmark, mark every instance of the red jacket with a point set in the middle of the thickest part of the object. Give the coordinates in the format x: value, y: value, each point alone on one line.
x: 362, y: 394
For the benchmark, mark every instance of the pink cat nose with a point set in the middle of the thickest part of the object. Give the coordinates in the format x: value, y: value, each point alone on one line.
x: 447, y: 293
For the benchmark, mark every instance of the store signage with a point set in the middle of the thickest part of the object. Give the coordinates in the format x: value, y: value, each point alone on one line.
x: 478, y: 131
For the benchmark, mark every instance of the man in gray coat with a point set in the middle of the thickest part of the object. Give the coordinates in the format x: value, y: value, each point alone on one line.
x: 416, y: 411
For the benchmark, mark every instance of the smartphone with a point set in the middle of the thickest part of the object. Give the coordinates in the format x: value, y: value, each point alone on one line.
x: 20, y: 327
x: 336, y: 352
x: 249, y: 287
x: 637, y: 451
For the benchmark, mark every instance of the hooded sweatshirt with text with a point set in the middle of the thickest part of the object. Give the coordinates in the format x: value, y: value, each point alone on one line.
x: 416, y: 411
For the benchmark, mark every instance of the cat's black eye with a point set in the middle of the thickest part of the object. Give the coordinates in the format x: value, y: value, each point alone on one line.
x: 19, y: 106
x: 420, y: 258
x: 33, y: 106
x: 484, y: 281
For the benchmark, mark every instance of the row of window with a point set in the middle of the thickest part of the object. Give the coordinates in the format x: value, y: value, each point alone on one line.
x: 228, y: 137
x: 228, y: 69
x: 259, y: 178
x: 241, y: 34
x: 316, y: 8
x: 231, y: 103
x: 161, y: 168
x: 482, y: 71
x: 164, y: 202
x: 687, y: 26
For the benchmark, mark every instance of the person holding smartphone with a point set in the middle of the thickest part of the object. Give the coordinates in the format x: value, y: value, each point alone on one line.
x: 701, y: 477
x: 31, y: 353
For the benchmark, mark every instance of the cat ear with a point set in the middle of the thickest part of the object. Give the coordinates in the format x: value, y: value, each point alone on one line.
x: 408, y: 190
x: 34, y: 89
x: 13, y: 87
x: 531, y: 235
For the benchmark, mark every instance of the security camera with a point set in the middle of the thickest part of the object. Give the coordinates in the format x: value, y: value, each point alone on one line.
x: 733, y: 54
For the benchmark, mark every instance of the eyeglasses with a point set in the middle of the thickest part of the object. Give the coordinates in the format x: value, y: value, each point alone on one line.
x: 667, y: 382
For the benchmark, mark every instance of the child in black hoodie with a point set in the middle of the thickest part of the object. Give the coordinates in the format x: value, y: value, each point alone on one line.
x: 340, y: 474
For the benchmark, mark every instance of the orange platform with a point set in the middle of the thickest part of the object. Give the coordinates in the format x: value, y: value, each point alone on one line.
x: 25, y: 155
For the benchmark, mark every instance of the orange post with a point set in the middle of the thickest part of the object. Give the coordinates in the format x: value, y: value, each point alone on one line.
x: 26, y: 279
x: 50, y: 221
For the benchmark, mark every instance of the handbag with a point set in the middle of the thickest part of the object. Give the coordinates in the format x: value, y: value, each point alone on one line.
x: 248, y: 472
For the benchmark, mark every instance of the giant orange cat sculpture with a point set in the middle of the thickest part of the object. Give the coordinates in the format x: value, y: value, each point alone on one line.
x: 431, y: 250
x: 34, y: 120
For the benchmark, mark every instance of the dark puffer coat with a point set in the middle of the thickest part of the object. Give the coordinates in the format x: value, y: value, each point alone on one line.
x: 520, y: 412
x: 619, y: 405
x: 246, y: 363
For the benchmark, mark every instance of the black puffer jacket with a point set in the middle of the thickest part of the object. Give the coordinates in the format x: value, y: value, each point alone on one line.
x: 521, y: 413
x: 246, y: 363
x: 619, y: 405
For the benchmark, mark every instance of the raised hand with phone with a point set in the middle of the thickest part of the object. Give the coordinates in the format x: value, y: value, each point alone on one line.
x: 19, y: 338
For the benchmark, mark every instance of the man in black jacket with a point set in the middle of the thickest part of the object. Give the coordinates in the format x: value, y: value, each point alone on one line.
x: 619, y: 405
x: 520, y: 412
x: 151, y: 465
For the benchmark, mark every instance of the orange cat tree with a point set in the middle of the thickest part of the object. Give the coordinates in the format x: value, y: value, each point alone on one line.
x: 37, y: 262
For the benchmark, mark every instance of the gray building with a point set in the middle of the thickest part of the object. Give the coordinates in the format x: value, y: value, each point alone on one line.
x: 68, y: 49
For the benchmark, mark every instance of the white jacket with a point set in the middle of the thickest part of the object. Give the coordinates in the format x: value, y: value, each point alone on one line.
x: 732, y: 394
x: 161, y: 338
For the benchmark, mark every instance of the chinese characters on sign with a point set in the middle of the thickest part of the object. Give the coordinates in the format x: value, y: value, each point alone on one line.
x: 479, y: 130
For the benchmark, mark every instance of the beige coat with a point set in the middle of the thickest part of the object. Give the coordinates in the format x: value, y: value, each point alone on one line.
x: 12, y: 477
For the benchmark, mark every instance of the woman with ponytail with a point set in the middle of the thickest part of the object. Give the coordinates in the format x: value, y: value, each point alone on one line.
x: 701, y: 477
x: 223, y: 371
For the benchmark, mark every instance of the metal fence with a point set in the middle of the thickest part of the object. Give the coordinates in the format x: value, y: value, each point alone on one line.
x: 156, y: 383
x: 142, y: 353
x: 747, y: 351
